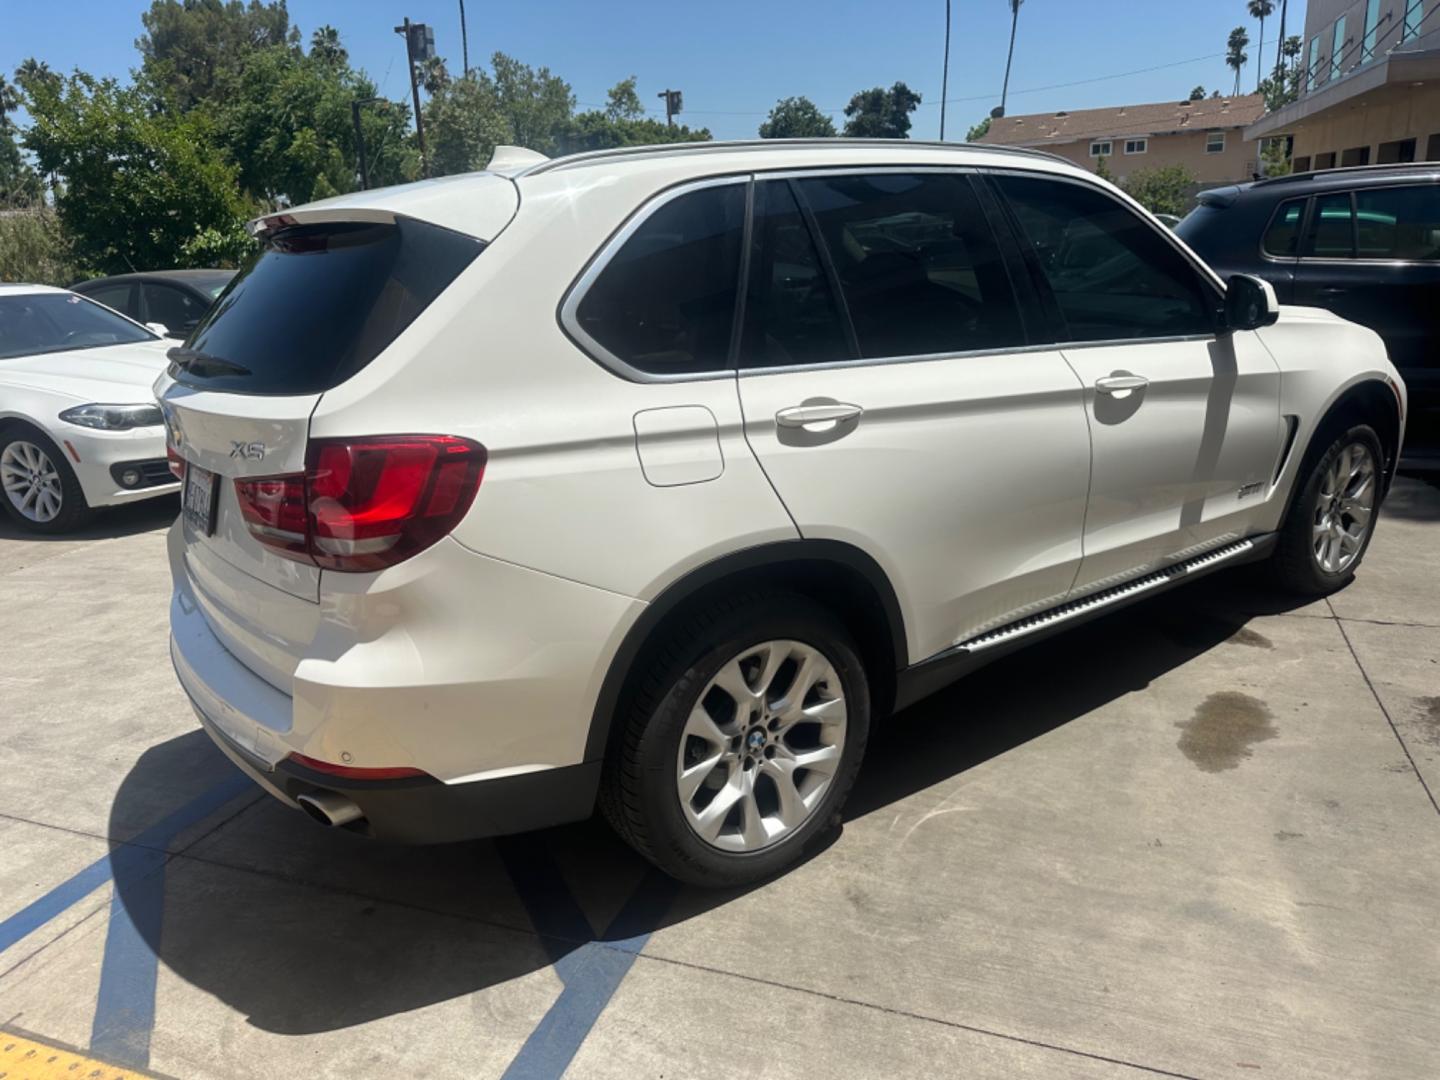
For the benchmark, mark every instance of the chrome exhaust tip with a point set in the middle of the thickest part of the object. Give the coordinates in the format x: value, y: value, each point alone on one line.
x: 328, y: 808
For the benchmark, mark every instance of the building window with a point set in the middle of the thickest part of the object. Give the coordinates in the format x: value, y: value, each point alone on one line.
x: 1325, y: 161
x: 1101, y: 149
x: 1372, y: 30
x: 1414, y: 16
x: 1300, y: 164
x: 1356, y: 155
x: 1312, y: 69
x: 1337, y: 48
x: 1432, y: 148
x: 1136, y: 146
x: 1215, y: 142
x: 1401, y: 152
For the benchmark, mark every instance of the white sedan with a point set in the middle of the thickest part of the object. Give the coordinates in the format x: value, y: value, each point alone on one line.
x: 79, y: 426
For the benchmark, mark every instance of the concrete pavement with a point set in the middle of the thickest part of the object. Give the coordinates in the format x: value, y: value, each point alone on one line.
x: 1198, y: 838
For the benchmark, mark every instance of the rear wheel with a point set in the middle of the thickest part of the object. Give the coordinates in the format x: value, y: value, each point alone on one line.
x: 742, y: 742
x: 40, y: 491
x: 1332, y: 517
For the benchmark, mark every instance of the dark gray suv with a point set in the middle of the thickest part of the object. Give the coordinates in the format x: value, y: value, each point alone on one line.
x: 1362, y: 242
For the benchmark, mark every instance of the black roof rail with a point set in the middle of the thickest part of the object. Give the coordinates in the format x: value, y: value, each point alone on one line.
x: 1346, y: 170
x: 719, y: 146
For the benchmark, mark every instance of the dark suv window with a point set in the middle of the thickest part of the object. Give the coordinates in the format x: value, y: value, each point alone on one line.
x: 665, y: 302
x: 791, y: 316
x: 1113, y: 275
x: 319, y: 302
x: 1398, y: 223
x: 916, y: 261
x: 1331, y: 234
x: 1283, y: 236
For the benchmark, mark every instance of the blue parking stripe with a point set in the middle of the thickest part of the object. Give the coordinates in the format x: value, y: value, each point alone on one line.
x: 125, y: 1004
x: 591, y: 971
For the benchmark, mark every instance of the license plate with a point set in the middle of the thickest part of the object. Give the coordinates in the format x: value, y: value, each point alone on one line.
x: 198, y: 503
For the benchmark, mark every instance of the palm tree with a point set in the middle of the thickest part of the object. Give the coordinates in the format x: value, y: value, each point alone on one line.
x: 9, y: 101
x: 1235, y: 55
x: 1014, y: 19
x: 1280, y: 47
x: 1260, y: 9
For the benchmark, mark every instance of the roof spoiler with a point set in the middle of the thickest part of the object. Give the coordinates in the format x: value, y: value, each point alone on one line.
x: 1219, y: 198
x: 513, y: 160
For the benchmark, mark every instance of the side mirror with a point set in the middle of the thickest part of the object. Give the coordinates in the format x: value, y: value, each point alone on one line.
x: 1250, y: 303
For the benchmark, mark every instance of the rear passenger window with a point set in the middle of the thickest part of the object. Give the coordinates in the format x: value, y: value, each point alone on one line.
x: 1113, y: 275
x: 791, y: 316
x: 665, y: 302
x: 1332, y: 228
x: 917, y: 265
x: 1283, y: 236
x: 1398, y: 223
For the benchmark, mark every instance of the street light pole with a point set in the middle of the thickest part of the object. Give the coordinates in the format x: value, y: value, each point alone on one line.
x: 360, y: 138
x: 405, y: 28
x: 945, y: 75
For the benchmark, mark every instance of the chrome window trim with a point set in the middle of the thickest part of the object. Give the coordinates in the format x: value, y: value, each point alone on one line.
x: 575, y: 294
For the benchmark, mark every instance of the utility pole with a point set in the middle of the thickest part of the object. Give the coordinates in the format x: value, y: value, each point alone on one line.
x: 945, y: 75
x: 672, y: 104
x: 419, y: 45
x: 464, y: 40
x: 360, y: 138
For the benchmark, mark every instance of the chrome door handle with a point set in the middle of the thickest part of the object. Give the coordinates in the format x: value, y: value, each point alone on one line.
x: 1116, y: 384
x: 801, y: 415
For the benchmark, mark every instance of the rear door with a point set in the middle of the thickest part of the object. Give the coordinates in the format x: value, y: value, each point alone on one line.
x: 1373, y: 256
x: 891, y: 396
x: 1184, y: 422
x: 317, y: 304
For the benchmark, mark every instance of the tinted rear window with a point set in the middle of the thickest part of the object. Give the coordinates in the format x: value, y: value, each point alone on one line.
x: 319, y: 302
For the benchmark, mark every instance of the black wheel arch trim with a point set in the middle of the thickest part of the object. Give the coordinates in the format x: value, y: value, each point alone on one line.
x: 1348, y: 397
x: 711, y: 574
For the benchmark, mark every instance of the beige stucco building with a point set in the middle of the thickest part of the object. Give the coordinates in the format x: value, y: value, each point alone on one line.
x: 1370, y: 93
x: 1206, y: 136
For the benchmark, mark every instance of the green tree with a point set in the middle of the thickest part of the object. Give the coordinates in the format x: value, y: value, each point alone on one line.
x: 878, y: 113
x: 19, y: 184
x: 595, y: 130
x: 463, y: 125
x: 325, y: 46
x: 287, y: 126
x: 142, y: 181
x: 1198, y: 94
x: 1274, y: 157
x: 432, y: 75
x: 979, y: 131
x: 797, y: 118
x: 1164, y: 190
x: 623, y: 101
x: 1262, y: 10
x: 1235, y: 54
x: 536, y: 105
x: 1102, y: 169
x: 197, y: 49
x: 1283, y: 87
x: 34, y: 248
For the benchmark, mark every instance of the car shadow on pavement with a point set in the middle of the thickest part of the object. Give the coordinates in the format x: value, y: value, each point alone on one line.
x: 108, y: 523
x: 1413, y: 498
x: 304, y: 930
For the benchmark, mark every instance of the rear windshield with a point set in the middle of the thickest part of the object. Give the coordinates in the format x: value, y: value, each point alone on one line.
x: 1200, y: 227
x: 318, y: 303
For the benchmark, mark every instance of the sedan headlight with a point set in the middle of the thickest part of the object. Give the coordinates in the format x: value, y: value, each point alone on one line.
x: 114, y: 417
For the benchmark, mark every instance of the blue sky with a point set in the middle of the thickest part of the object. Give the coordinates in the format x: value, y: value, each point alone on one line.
x: 734, y: 59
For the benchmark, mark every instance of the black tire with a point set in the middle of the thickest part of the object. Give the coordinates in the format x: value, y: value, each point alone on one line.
x: 639, y: 792
x: 1294, y: 566
x: 74, y: 510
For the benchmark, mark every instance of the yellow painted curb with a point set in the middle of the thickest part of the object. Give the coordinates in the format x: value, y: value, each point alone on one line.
x: 22, y: 1059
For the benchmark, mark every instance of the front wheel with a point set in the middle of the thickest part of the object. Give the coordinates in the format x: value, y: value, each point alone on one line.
x: 742, y: 742
x: 40, y: 491
x: 1332, y: 517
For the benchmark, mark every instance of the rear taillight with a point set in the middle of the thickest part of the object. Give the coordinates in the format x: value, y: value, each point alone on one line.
x: 365, y: 504
x: 177, y: 463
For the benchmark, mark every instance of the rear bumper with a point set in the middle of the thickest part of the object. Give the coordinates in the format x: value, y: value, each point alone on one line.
x: 425, y: 810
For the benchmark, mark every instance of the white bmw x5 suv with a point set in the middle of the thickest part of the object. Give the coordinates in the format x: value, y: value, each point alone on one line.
x: 656, y: 477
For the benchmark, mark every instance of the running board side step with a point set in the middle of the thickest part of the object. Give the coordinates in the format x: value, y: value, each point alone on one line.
x: 922, y: 679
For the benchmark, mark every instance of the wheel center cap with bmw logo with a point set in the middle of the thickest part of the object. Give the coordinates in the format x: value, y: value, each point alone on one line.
x: 756, y: 739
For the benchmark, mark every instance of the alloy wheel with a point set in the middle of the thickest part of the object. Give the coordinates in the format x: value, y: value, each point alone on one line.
x: 1344, y: 509
x: 761, y: 746
x: 31, y: 481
